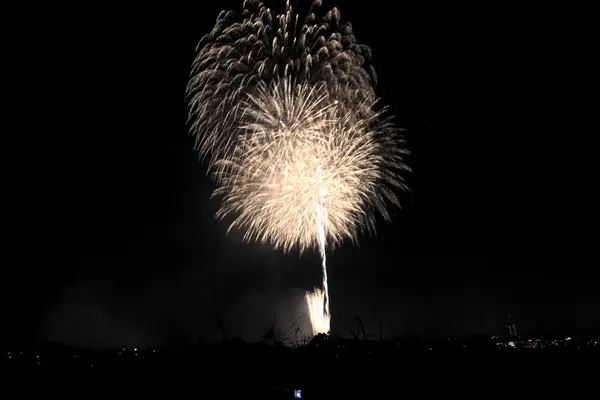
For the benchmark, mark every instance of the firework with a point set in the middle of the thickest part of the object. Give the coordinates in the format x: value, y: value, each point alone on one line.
x: 303, y: 163
x: 286, y: 113
x: 242, y: 51
x: 315, y: 302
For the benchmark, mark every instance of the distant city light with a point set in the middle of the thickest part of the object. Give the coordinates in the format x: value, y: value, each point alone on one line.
x: 297, y: 394
x: 503, y: 343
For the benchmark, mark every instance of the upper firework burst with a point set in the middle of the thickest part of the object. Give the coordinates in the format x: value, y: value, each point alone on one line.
x: 258, y: 46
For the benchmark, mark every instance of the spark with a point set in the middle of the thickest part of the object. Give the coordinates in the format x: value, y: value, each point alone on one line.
x: 315, y: 302
x: 286, y: 115
x: 304, y: 173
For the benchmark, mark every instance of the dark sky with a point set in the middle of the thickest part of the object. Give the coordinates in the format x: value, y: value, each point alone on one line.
x: 111, y: 231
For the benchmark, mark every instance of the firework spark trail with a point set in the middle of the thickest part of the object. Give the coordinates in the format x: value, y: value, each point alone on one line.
x: 283, y: 109
x: 322, y: 248
x: 325, y: 311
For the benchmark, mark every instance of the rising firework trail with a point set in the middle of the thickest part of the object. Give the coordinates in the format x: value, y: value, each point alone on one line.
x: 286, y: 115
x: 323, y: 253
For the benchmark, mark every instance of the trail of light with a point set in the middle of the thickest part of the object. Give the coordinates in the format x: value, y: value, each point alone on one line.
x: 322, y: 244
x: 318, y: 301
x: 321, y: 218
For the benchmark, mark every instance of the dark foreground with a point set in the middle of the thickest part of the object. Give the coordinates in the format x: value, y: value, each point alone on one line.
x: 323, y: 368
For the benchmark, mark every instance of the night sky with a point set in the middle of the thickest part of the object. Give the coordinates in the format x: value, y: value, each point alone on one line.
x: 111, y: 230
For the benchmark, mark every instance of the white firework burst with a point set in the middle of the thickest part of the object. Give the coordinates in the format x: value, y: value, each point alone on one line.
x: 285, y: 112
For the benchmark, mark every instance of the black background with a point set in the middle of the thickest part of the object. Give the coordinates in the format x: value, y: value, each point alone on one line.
x: 110, y: 228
